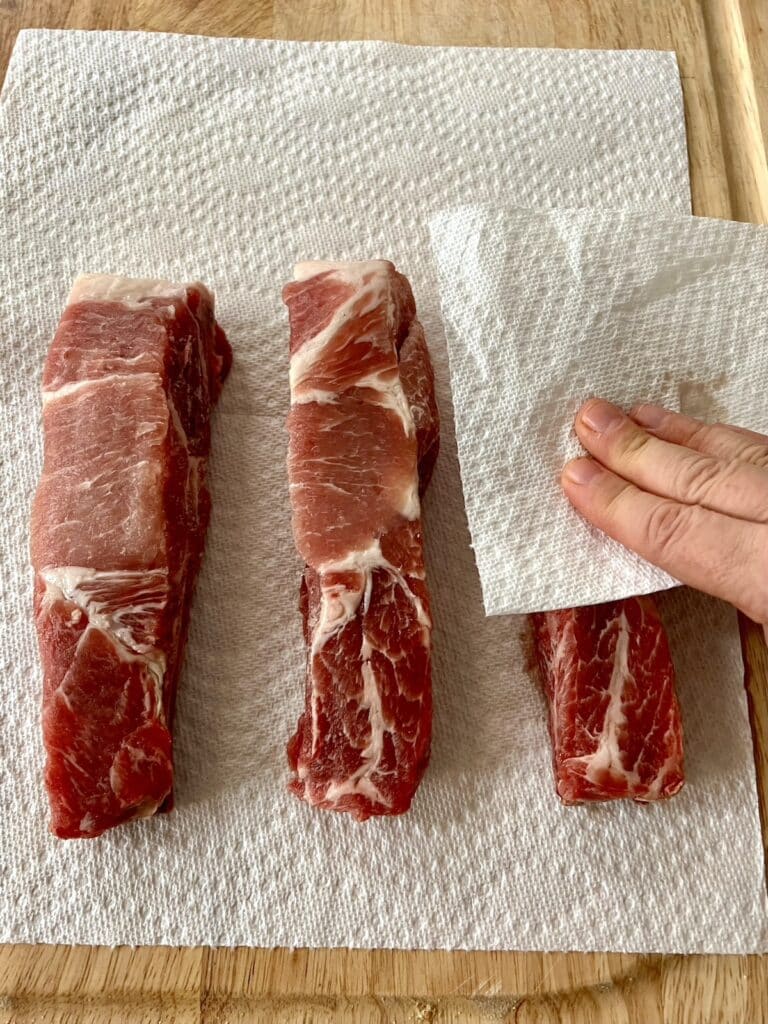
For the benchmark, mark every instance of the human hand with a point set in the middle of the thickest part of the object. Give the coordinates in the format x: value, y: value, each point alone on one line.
x: 688, y: 496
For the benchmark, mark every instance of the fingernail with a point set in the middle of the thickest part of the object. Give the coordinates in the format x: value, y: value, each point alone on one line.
x: 649, y: 415
x: 601, y: 416
x: 582, y: 471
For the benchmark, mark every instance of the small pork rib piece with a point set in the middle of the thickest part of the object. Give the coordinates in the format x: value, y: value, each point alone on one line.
x: 613, y: 714
x: 364, y: 436
x: 117, y: 535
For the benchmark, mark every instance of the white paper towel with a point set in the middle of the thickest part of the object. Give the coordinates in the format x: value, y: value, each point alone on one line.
x: 226, y: 160
x: 546, y: 308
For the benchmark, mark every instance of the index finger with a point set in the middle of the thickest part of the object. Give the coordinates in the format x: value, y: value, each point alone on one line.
x: 719, y: 439
x: 731, y: 486
x: 707, y: 550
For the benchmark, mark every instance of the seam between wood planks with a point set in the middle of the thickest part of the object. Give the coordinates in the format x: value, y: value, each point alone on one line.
x: 755, y: 656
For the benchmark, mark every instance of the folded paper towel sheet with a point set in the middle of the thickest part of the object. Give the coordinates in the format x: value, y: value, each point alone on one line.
x: 544, y: 309
x: 225, y: 159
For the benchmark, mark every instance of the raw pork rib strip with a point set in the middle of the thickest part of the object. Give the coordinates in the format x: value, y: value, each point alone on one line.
x: 613, y: 713
x: 118, y: 527
x: 364, y: 436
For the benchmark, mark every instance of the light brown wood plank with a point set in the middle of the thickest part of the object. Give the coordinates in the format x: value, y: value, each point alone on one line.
x: 746, y: 166
x: 524, y: 987
x: 93, y: 985
x: 755, y: 17
x: 714, y: 39
x: 744, y: 151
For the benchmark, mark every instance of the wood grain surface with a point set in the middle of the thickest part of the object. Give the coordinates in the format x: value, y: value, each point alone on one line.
x: 722, y: 47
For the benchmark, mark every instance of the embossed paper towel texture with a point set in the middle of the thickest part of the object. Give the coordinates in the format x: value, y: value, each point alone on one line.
x: 543, y: 309
x: 226, y: 160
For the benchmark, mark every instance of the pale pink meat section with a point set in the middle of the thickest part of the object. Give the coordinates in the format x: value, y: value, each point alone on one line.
x: 364, y: 434
x: 613, y: 712
x: 117, y: 534
x: 117, y: 428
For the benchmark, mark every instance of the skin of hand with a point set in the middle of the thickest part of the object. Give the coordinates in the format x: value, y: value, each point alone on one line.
x: 690, y: 497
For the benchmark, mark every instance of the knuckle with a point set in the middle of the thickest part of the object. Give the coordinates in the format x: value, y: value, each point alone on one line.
x: 699, y: 475
x: 632, y: 444
x: 615, y: 502
x: 755, y: 454
x: 700, y: 436
x: 666, y: 528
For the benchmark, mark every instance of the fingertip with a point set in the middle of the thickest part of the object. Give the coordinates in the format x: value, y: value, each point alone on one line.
x: 599, y: 416
x: 582, y: 411
x: 580, y: 472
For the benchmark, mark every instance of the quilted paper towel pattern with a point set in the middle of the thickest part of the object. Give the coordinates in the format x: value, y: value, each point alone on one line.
x: 544, y: 309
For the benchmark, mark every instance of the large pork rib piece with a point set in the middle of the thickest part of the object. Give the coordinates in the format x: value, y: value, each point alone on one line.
x: 118, y: 527
x: 613, y: 714
x: 364, y: 433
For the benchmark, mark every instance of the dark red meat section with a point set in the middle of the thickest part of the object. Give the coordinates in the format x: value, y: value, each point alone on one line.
x: 362, y: 743
x: 117, y: 536
x: 613, y: 713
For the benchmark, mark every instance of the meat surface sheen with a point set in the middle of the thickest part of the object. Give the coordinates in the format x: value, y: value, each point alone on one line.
x: 364, y: 435
x: 117, y: 535
x: 613, y: 713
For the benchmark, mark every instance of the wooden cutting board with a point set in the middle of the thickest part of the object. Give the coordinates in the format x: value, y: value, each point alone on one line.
x: 722, y: 47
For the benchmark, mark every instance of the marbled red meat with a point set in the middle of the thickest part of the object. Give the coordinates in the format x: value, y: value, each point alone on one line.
x: 117, y: 535
x: 364, y: 436
x: 613, y: 713
x: 418, y: 380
